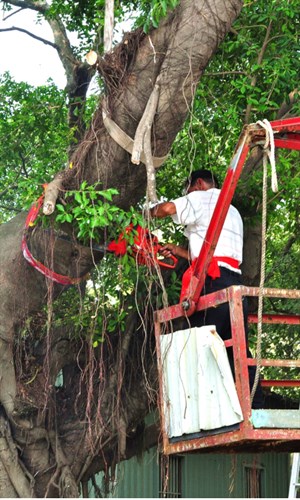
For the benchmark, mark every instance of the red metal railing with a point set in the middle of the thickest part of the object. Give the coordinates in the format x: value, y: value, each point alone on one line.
x: 246, y: 434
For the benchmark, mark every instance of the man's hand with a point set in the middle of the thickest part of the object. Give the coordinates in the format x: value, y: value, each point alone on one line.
x: 171, y: 249
x: 162, y: 210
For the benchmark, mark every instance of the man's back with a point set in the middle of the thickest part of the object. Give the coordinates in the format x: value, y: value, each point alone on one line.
x: 195, y: 210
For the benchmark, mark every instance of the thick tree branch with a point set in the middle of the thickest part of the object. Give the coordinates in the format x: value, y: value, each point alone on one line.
x: 51, y: 194
x: 64, y: 49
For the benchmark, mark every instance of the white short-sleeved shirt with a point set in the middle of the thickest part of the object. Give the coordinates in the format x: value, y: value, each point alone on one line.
x: 195, y: 210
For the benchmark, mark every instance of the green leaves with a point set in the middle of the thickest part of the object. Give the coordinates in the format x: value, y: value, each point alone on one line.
x: 153, y: 12
x: 86, y: 19
x: 90, y: 211
x: 33, y: 141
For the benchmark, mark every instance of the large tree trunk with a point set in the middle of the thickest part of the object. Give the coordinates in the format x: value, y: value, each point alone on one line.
x: 66, y: 434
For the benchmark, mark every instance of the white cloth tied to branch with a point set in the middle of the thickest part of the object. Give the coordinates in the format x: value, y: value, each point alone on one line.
x: 269, y: 148
x: 140, y: 146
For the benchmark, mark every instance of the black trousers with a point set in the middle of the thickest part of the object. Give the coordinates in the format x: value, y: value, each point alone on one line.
x: 220, y: 317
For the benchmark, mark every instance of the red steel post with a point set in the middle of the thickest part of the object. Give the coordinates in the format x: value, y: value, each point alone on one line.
x: 218, y: 217
x: 235, y: 300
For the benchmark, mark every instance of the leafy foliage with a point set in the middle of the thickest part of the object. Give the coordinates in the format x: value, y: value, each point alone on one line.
x: 238, y: 87
x: 34, y: 138
x: 91, y: 210
x: 86, y: 19
x: 109, y: 295
x: 153, y: 12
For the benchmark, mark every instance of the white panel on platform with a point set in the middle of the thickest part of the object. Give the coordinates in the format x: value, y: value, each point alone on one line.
x: 198, y: 387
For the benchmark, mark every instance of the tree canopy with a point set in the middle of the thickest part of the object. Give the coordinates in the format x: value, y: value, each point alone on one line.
x: 91, y: 344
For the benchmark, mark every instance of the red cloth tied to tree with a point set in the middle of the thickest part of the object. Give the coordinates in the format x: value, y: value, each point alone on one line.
x: 145, y: 247
x: 119, y: 246
x: 213, y: 271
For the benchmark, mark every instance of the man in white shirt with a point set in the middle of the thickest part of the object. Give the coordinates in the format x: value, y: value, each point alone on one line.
x: 194, y: 211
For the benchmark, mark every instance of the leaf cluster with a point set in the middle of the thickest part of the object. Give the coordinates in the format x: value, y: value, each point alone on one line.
x: 34, y: 137
x: 152, y: 12
x: 90, y: 211
x: 86, y: 19
x: 34, y: 140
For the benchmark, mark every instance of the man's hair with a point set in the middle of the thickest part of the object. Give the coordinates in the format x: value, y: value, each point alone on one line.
x: 206, y: 175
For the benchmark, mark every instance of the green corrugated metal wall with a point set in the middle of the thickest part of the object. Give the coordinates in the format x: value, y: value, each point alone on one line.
x: 223, y: 476
x: 204, y: 475
x: 139, y: 478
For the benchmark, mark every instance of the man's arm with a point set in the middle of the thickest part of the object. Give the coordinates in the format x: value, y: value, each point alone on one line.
x: 163, y: 210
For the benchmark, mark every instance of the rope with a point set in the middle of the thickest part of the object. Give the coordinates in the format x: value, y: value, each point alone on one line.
x: 269, y: 153
x: 262, y: 278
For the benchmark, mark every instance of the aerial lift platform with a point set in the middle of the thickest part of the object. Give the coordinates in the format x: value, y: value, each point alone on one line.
x: 260, y: 430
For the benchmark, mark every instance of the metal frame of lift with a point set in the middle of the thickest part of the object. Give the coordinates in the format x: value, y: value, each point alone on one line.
x: 259, y: 430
